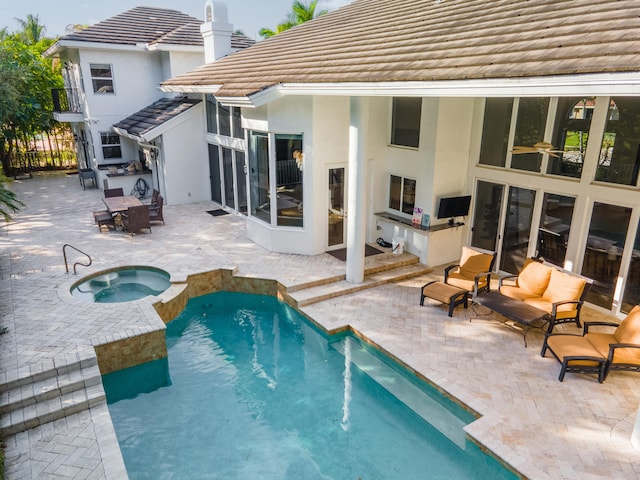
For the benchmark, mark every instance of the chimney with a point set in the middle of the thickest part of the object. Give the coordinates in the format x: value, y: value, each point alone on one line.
x: 216, y: 31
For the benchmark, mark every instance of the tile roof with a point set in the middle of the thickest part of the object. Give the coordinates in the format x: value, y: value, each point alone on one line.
x: 154, y: 115
x: 149, y: 25
x: 428, y: 40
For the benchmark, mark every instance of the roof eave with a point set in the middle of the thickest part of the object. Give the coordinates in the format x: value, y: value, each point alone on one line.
x: 175, y: 47
x: 619, y: 83
x: 213, y: 88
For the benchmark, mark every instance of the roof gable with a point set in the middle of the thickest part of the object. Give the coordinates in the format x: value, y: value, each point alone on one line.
x: 418, y: 40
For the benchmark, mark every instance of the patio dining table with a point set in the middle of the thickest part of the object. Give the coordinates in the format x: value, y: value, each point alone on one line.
x: 121, y: 204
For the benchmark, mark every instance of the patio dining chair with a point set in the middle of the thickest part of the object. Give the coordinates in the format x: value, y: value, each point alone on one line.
x: 136, y: 218
x: 155, y: 210
x: 113, y: 192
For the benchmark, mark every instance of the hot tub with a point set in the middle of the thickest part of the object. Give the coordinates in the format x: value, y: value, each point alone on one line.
x: 122, y: 284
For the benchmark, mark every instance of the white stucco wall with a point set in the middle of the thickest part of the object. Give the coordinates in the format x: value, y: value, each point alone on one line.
x: 185, y: 164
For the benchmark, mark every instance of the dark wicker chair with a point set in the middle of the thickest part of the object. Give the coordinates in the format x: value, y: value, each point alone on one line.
x: 136, y: 218
x: 154, y: 197
x: 155, y: 210
x: 104, y: 217
x: 114, y: 192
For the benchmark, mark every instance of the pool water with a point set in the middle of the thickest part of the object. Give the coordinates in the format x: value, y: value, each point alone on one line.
x: 251, y: 390
x: 122, y: 285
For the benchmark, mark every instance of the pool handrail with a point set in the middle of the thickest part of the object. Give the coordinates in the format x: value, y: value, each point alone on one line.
x: 66, y: 264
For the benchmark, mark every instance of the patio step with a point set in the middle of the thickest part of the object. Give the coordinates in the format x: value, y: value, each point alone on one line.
x: 338, y: 287
x: 49, y: 395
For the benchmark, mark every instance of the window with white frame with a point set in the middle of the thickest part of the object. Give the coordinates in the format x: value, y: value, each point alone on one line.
x: 110, y: 145
x: 405, y: 121
x: 101, y: 78
x: 226, y: 121
x: 402, y: 194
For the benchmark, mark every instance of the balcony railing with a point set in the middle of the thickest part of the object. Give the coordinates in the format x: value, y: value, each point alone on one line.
x: 66, y: 100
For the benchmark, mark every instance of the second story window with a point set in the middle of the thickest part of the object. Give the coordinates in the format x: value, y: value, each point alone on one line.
x: 110, y: 145
x: 101, y: 78
x: 405, y: 121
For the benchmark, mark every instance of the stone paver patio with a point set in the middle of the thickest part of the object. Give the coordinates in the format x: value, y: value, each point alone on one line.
x: 577, y: 429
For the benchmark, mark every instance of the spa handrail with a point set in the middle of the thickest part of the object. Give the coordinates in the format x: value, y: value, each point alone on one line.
x: 64, y: 254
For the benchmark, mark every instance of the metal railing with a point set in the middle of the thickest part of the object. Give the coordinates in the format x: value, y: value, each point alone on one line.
x: 66, y: 264
x: 66, y: 100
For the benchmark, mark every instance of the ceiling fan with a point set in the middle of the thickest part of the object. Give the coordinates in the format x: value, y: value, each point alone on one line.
x: 540, y: 147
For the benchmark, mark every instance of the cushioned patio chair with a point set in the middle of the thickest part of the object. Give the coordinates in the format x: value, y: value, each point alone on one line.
x: 597, y: 352
x: 113, y: 192
x: 548, y: 287
x: 136, y: 218
x: 475, y: 265
x: 155, y: 210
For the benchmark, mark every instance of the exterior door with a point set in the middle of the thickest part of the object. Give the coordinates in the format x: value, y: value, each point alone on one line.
x: 336, y: 219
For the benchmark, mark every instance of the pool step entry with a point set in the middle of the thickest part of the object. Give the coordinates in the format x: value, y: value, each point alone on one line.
x: 380, y: 272
x: 49, y: 395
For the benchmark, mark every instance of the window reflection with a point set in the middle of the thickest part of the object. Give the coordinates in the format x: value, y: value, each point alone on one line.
x: 555, y: 224
x: 530, y: 127
x: 571, y: 133
x: 620, y: 153
x: 603, y: 252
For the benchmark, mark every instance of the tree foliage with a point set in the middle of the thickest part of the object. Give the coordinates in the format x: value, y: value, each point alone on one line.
x: 300, y: 13
x: 26, y: 80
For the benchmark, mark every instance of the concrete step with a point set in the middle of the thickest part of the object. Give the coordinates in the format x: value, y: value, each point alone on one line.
x: 50, y: 395
x: 335, y: 289
x: 48, y: 388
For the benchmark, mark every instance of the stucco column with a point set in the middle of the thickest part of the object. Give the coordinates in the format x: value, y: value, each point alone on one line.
x: 356, y: 207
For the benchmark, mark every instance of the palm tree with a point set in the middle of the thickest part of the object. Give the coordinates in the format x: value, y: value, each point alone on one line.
x: 300, y: 13
x: 32, y: 31
x: 9, y: 203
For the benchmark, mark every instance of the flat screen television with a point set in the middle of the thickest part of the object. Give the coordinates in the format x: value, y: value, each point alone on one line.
x: 451, y: 207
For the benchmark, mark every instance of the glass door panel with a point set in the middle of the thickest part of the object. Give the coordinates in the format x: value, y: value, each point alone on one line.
x: 259, y: 176
x: 555, y: 224
x: 241, y: 182
x: 336, y: 218
x: 486, y: 220
x: 214, y: 174
x: 227, y: 169
x: 605, y: 244
x: 517, y: 229
x: 631, y: 296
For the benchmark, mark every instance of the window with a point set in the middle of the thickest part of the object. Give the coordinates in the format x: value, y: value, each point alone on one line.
x: 110, y: 145
x: 402, y: 194
x: 495, y: 133
x: 530, y: 127
x: 211, y: 106
x: 289, y: 174
x: 516, y: 229
x: 620, y: 153
x: 224, y: 120
x: 405, y: 123
x: 570, y: 135
x: 236, y: 122
x: 259, y: 176
x: 101, y: 78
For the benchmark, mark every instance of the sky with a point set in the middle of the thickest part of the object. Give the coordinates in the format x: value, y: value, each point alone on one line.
x: 246, y: 15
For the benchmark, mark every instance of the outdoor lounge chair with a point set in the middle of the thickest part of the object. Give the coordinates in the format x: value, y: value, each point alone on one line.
x: 136, y: 218
x: 155, y: 211
x: 598, y: 352
x: 475, y: 264
x: 113, y: 192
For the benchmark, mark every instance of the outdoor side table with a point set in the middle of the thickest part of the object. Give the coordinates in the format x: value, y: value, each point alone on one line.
x: 444, y: 293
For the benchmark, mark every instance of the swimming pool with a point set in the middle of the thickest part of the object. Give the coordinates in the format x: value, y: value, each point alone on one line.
x: 121, y: 285
x: 251, y: 390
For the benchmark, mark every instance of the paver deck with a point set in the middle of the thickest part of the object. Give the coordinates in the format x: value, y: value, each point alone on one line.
x: 577, y: 429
